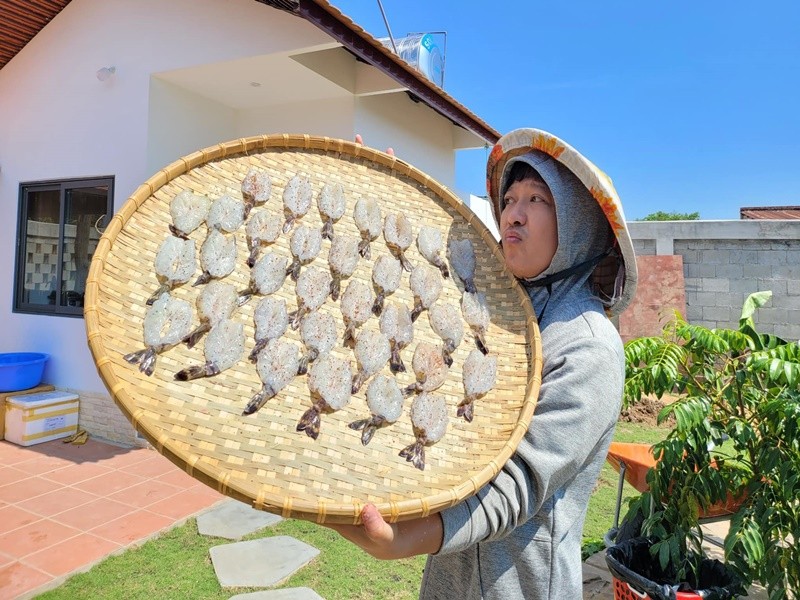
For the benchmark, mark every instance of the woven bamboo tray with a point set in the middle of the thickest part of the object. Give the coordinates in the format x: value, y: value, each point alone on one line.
x: 261, y: 459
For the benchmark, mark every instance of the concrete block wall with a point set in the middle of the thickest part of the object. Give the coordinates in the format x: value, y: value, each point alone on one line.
x: 101, y: 417
x: 725, y: 261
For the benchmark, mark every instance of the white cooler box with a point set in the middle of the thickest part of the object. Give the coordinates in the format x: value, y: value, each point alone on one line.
x: 35, y: 418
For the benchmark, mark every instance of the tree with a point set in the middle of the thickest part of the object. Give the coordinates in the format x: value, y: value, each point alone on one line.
x: 671, y: 216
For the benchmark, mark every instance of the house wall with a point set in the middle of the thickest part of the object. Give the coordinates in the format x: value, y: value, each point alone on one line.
x: 414, y: 131
x: 180, y: 122
x: 724, y: 262
x: 332, y: 117
x: 58, y: 121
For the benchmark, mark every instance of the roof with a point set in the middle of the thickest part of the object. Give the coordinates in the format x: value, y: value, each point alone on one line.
x: 23, y: 19
x: 769, y: 212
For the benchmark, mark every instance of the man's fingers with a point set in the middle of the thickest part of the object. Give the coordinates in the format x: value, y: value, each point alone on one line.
x: 375, y: 527
x: 360, y: 140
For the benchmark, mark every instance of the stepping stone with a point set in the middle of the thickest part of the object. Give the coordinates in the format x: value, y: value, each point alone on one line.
x: 260, y: 563
x: 301, y: 593
x: 233, y: 520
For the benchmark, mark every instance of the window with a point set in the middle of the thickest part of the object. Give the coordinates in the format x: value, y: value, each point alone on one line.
x: 60, y: 223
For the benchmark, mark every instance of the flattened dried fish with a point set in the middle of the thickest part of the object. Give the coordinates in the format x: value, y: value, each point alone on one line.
x: 331, y: 202
x: 329, y: 381
x: 175, y: 264
x: 277, y: 366
x: 166, y: 323
x: 217, y: 256
x: 224, y: 346
x: 343, y: 259
x: 226, y: 214
x: 367, y: 215
x: 397, y: 326
x: 313, y: 287
x: 266, y: 277
x: 356, y: 306
x: 386, y: 279
x: 429, y: 420
x: 188, y: 211
x: 271, y: 320
x: 446, y: 323
x: 372, y: 351
x: 398, y: 234
x: 318, y: 332
x: 480, y: 374
x: 429, y: 368
x: 256, y: 189
x: 476, y: 313
x: 426, y: 285
x: 214, y: 304
x: 262, y: 229
x: 385, y: 402
x: 305, y: 244
x: 462, y: 257
x: 430, y: 244
x: 297, y: 196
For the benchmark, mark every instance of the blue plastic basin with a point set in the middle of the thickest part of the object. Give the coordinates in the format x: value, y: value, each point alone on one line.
x: 21, y: 370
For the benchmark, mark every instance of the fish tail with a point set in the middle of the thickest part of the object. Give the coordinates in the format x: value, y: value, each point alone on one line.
x: 358, y: 381
x: 395, y: 362
x: 204, y: 278
x: 259, y: 400
x: 466, y: 410
x: 253, y: 357
x: 327, y: 230
x: 377, y: 306
x: 443, y: 268
x: 164, y: 287
x: 251, y: 259
x: 310, y: 423
x: 480, y: 342
x: 405, y: 262
x: 196, y: 335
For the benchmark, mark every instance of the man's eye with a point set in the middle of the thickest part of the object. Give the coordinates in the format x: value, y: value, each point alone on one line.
x: 537, y: 199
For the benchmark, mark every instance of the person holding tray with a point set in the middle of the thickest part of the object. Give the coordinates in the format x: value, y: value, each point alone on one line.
x: 564, y: 237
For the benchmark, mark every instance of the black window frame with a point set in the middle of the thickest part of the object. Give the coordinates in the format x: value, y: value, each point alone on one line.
x: 62, y: 186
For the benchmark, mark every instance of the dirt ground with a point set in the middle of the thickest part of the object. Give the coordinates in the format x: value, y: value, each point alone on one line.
x: 646, y: 411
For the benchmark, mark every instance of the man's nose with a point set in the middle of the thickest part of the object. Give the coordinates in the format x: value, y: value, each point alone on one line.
x: 516, y: 216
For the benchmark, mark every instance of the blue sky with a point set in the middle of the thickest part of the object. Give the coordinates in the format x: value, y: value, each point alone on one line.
x: 688, y: 106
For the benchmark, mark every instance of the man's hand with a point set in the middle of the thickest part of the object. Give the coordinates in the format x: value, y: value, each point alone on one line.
x: 397, y: 540
x: 359, y: 140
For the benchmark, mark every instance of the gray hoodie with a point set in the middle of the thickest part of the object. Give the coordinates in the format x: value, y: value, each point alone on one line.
x: 520, y: 535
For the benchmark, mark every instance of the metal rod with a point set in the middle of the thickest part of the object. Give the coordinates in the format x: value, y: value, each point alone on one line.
x: 386, y: 21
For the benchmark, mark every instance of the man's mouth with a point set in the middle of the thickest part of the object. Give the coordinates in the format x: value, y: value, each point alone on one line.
x: 511, y: 236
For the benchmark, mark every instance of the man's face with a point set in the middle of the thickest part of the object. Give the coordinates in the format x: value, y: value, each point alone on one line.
x: 528, y: 228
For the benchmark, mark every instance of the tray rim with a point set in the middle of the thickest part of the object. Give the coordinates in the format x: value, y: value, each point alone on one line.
x: 322, y: 511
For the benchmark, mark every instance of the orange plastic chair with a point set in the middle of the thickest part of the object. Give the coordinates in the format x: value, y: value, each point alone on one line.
x: 632, y: 461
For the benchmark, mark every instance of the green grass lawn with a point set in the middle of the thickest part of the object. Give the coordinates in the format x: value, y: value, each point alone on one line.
x: 177, y: 565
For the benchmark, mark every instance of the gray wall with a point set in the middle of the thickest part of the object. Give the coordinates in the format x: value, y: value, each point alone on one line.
x: 725, y: 261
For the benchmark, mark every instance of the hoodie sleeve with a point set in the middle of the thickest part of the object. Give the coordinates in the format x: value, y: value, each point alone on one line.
x: 578, y: 404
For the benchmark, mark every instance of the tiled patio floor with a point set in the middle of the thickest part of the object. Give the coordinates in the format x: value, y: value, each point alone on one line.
x: 65, y: 507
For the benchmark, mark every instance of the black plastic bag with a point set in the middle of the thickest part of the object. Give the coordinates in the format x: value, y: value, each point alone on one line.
x: 632, y: 563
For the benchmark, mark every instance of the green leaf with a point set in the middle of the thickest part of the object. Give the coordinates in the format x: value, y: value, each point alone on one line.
x: 753, y: 302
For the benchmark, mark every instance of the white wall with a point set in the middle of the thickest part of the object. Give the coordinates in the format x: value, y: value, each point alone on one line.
x: 418, y: 135
x: 332, y: 118
x: 180, y: 123
x: 483, y: 209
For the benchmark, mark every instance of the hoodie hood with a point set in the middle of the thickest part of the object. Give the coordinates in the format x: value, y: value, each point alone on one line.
x: 589, y: 216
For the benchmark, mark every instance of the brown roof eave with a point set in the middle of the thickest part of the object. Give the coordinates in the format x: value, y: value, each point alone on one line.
x: 363, y: 45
